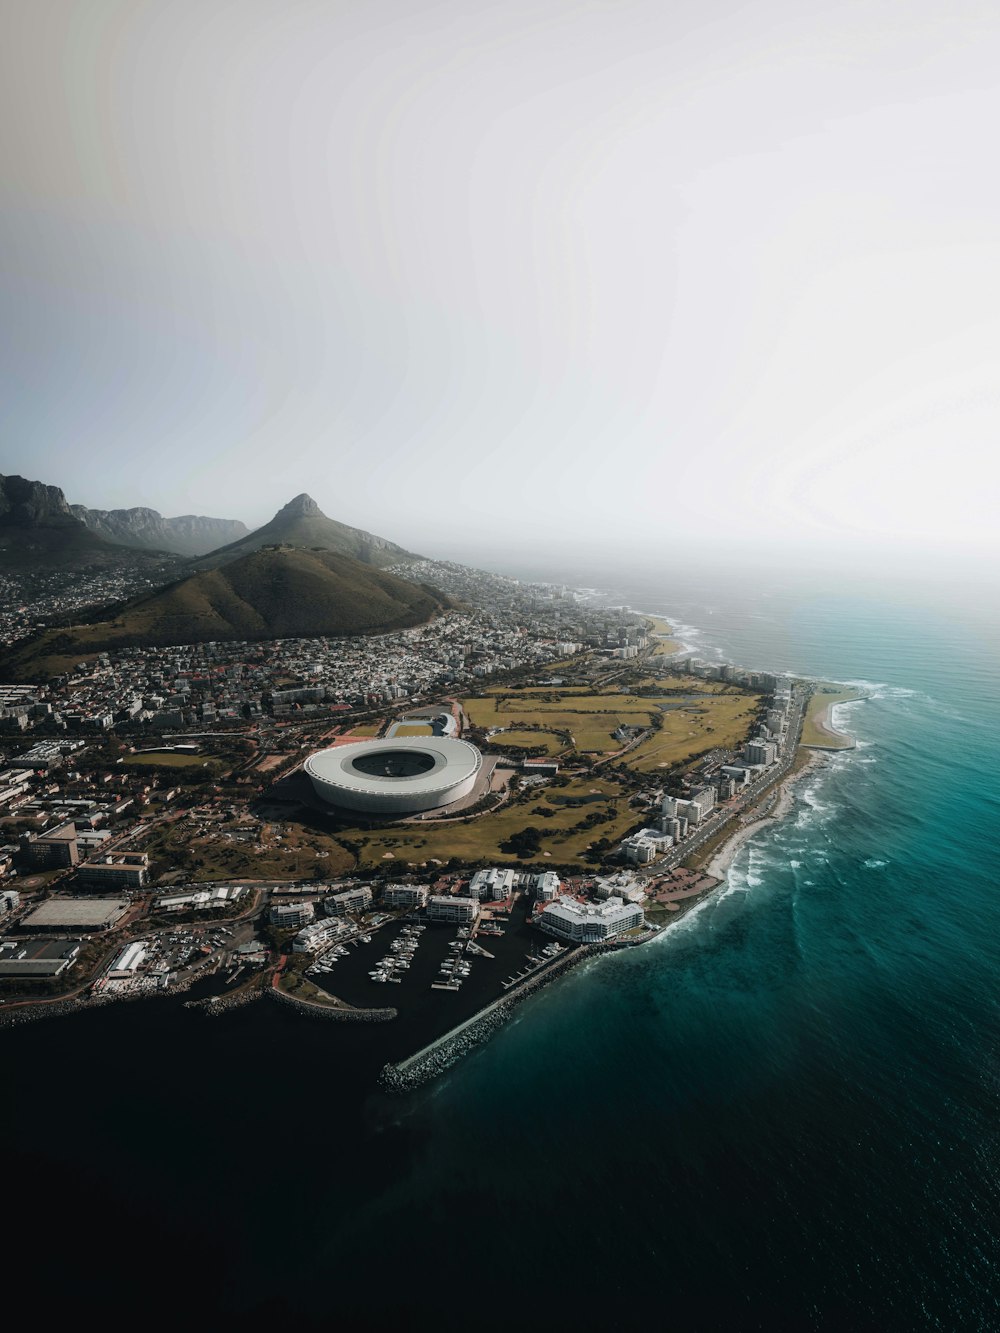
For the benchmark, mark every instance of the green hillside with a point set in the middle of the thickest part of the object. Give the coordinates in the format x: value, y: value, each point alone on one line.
x: 271, y: 594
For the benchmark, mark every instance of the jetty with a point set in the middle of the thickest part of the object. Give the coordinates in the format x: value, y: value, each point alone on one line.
x: 446, y: 1051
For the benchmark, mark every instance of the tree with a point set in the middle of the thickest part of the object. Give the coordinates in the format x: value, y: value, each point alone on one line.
x: 525, y: 844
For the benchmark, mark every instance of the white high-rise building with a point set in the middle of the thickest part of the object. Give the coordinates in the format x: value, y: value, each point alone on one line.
x: 311, y: 939
x: 289, y: 916
x: 703, y: 801
x: 760, y: 752
x: 637, y: 850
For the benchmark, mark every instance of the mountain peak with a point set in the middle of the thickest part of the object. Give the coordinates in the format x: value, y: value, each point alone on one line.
x: 303, y: 506
x: 303, y: 524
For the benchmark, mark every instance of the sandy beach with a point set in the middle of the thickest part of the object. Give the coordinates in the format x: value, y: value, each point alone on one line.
x: 819, y: 732
x: 824, y: 723
x: 723, y: 858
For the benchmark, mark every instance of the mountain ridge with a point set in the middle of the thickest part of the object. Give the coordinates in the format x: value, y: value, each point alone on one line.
x: 141, y: 528
x: 39, y: 531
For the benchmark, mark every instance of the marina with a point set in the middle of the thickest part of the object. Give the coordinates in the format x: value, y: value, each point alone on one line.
x: 441, y: 976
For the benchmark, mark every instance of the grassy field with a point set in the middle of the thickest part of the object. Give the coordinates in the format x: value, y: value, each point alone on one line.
x: 414, y: 729
x: 700, y: 715
x: 812, y: 729
x: 292, y: 982
x: 170, y: 759
x: 554, y: 812
x: 526, y: 740
x: 589, y: 718
x: 367, y: 729
x: 592, y: 718
x: 718, y: 720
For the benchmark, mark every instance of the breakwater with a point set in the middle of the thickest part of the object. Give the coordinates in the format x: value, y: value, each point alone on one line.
x: 30, y: 1011
x: 34, y: 1010
x: 213, y: 1005
x: 440, y: 1055
x: 341, y: 1015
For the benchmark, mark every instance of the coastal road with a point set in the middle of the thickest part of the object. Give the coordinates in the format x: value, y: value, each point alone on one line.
x: 751, y: 794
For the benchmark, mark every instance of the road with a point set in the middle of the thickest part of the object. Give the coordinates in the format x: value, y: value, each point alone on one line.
x: 750, y: 795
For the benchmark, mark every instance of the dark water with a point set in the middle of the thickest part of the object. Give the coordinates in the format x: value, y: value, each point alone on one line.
x: 784, y: 1114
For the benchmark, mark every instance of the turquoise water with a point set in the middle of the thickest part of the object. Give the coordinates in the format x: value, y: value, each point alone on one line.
x: 784, y: 1114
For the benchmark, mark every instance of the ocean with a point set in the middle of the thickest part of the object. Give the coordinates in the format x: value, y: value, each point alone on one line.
x: 782, y: 1114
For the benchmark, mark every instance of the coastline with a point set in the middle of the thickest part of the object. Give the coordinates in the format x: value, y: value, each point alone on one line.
x: 824, y: 723
x: 713, y: 864
x: 819, y: 723
x: 723, y: 857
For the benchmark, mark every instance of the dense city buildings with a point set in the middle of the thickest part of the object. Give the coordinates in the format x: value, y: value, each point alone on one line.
x: 514, y: 627
x: 270, y: 792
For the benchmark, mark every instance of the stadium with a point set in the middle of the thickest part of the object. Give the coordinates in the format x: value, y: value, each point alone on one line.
x: 395, y: 777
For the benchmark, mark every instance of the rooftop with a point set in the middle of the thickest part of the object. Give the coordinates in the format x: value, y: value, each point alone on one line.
x: 77, y: 912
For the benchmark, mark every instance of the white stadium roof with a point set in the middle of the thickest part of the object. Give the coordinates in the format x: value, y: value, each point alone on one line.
x: 395, y: 776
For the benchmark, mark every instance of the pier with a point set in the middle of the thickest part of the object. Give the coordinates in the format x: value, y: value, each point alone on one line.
x: 447, y: 1050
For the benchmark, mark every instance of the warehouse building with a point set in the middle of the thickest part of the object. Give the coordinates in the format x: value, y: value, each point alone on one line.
x: 36, y: 959
x: 85, y: 916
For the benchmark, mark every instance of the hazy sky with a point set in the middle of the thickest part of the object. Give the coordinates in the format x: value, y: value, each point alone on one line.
x: 687, y: 270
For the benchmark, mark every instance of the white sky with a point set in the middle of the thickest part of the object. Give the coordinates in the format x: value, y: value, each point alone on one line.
x: 686, y: 270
